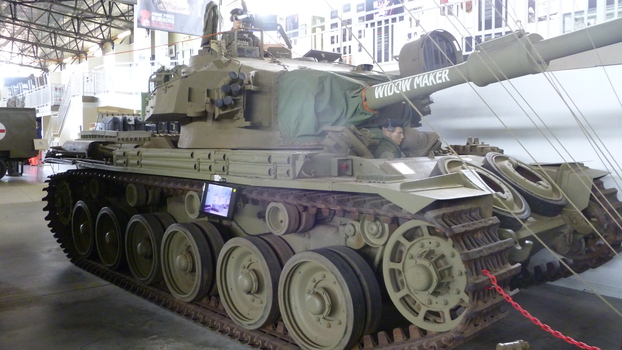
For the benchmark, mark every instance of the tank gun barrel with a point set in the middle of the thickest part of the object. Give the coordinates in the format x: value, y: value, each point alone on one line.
x: 503, y: 58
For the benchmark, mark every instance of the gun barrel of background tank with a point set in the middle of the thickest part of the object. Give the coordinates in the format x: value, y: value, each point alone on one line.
x: 503, y: 58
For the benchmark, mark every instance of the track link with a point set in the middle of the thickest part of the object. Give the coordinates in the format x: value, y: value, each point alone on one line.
x: 475, y: 237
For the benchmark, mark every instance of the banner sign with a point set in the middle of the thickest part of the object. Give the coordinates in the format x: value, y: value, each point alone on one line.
x: 175, y: 16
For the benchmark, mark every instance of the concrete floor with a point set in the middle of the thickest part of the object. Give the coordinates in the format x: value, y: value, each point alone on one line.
x: 47, y: 303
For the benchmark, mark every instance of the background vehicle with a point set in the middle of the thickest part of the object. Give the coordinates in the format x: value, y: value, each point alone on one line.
x: 17, y: 134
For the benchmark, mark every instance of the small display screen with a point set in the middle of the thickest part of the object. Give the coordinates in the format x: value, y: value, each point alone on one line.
x: 218, y: 200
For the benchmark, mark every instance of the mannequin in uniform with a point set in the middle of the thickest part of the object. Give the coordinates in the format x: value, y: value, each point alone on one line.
x: 392, y: 136
x: 244, y: 37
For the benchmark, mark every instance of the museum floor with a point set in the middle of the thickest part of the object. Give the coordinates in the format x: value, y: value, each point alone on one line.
x: 47, y: 303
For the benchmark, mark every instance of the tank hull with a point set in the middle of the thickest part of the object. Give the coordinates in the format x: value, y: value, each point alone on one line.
x: 78, y: 185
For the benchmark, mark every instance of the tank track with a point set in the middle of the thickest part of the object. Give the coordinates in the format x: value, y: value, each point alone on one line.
x: 463, y: 225
x: 610, y: 227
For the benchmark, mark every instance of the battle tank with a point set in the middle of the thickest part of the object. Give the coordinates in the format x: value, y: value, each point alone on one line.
x: 267, y: 218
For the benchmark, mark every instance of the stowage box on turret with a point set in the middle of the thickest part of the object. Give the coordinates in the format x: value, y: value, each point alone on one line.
x: 268, y: 201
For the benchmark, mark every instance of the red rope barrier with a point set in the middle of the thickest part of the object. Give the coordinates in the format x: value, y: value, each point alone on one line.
x: 525, y: 313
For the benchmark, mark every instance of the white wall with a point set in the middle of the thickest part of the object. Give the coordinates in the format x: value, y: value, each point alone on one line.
x: 73, y: 121
x: 462, y: 111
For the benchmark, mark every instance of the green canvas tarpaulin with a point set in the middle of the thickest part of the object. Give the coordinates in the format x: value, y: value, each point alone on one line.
x: 309, y: 100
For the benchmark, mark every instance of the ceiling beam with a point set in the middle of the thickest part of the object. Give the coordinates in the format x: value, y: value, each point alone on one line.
x: 43, y: 31
x: 96, y: 18
x: 41, y: 45
x: 46, y: 28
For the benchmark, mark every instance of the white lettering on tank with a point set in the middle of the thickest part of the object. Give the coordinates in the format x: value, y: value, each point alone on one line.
x: 417, y: 82
x: 390, y: 88
x: 379, y: 91
x: 432, y: 79
x: 403, y: 85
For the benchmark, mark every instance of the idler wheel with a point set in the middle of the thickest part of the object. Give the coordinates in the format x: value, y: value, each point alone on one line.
x: 248, y: 275
x: 543, y: 197
x: 509, y: 206
x: 187, y: 262
x: 143, y: 240
x: 321, y: 300
x: 425, y: 277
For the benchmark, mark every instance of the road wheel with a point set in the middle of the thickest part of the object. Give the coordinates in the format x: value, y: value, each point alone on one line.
x: 248, y: 276
x: 371, y: 288
x: 187, y: 262
x: 321, y: 300
x: 109, y: 236
x: 143, y: 241
x: 83, y: 222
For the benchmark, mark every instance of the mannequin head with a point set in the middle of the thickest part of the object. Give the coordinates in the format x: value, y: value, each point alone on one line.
x: 237, y: 23
x: 394, y: 130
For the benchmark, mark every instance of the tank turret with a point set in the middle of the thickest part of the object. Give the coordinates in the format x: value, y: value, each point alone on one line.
x: 230, y: 95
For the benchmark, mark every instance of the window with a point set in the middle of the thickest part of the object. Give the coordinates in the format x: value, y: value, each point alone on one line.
x: 446, y: 9
x: 334, y: 14
x: 291, y: 25
x: 492, y: 14
x: 346, y: 8
x: 383, y: 43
